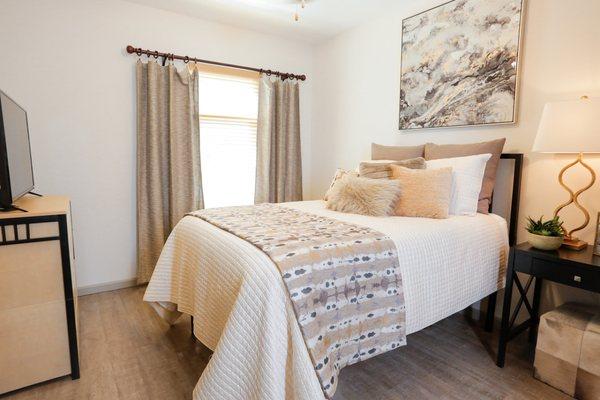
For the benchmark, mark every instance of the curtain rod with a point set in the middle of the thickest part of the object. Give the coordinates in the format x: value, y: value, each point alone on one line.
x: 170, y: 56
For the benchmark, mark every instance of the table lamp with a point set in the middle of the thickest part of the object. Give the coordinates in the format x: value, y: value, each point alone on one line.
x: 571, y: 127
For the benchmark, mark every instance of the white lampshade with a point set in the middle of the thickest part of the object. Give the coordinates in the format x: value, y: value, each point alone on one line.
x: 569, y: 127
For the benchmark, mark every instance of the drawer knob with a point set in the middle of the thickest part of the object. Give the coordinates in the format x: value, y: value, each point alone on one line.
x: 577, y: 278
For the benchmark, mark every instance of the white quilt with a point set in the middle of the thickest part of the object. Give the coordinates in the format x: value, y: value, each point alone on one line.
x: 242, y: 311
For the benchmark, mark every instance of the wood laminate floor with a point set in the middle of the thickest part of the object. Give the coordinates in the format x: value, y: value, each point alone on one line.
x: 127, y: 352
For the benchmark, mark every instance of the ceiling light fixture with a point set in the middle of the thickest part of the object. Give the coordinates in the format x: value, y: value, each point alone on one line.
x: 302, y: 4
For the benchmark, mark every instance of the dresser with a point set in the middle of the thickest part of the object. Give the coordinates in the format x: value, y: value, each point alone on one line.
x: 38, y: 295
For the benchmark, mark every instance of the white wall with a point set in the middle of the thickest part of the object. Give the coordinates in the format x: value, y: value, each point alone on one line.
x: 64, y: 62
x: 357, y: 76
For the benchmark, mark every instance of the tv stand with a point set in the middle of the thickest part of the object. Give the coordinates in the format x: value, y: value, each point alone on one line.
x: 12, y: 207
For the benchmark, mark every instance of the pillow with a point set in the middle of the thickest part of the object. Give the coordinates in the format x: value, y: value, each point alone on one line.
x: 339, y: 174
x: 380, y: 169
x: 467, y: 175
x: 364, y: 196
x: 494, y: 147
x: 425, y: 192
x: 380, y: 152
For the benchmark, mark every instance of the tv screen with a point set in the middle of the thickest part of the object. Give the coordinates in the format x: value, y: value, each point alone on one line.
x: 16, y: 170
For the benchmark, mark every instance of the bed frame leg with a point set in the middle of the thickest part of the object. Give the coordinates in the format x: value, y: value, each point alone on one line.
x: 491, y: 310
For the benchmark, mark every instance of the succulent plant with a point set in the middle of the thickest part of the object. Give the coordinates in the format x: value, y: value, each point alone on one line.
x: 551, y: 227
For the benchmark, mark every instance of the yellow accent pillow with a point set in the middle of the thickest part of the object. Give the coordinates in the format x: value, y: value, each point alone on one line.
x: 423, y: 192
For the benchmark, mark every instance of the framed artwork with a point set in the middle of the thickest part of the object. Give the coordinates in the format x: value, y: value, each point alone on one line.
x: 459, y: 64
x: 597, y: 240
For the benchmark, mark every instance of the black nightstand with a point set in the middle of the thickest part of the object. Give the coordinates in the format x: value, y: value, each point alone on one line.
x: 580, y: 269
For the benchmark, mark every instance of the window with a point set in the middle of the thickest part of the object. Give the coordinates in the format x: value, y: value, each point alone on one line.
x: 228, y: 105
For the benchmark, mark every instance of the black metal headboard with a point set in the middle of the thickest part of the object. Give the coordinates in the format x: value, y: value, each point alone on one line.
x: 516, y: 195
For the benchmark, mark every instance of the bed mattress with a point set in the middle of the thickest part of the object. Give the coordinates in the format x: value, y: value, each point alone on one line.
x: 243, y: 313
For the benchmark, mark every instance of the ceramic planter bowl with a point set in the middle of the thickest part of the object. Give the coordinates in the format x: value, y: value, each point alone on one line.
x: 545, y: 242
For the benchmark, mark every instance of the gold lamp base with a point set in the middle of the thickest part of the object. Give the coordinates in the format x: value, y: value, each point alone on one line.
x: 570, y: 241
x: 574, y: 244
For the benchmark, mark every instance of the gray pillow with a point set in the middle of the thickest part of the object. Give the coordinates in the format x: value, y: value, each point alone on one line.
x: 396, y: 153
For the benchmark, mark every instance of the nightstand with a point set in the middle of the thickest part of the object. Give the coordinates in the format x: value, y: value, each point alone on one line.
x: 580, y: 269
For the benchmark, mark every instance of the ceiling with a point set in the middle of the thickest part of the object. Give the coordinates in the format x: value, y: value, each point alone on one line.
x: 320, y: 20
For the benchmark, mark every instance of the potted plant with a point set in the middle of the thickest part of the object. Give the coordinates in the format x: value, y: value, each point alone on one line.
x: 545, y: 235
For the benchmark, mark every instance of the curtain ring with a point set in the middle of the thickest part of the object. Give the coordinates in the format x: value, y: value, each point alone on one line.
x: 138, y: 51
x: 186, y: 60
x: 269, y: 72
x: 155, y: 55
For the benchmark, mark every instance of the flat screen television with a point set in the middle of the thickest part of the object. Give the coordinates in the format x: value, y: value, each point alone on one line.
x: 16, y: 169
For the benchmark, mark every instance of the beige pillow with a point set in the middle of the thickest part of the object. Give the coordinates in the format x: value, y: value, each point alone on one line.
x: 425, y: 193
x: 339, y: 174
x: 380, y: 169
x: 380, y: 152
x: 364, y: 196
x: 494, y: 147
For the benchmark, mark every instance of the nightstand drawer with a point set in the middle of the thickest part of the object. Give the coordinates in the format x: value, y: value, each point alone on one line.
x: 567, y: 275
x: 523, y: 262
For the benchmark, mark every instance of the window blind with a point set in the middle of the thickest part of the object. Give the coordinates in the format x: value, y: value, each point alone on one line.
x: 228, y: 105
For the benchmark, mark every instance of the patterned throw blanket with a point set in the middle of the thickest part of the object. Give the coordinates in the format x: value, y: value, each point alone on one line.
x: 343, y: 280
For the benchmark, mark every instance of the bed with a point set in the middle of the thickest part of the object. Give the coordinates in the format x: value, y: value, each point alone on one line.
x: 242, y: 310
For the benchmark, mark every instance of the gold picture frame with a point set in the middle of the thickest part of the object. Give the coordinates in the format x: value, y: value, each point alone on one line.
x: 597, y: 239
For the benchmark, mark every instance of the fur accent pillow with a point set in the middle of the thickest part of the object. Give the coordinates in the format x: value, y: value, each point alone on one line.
x: 339, y: 174
x: 425, y: 193
x: 380, y: 169
x: 364, y: 196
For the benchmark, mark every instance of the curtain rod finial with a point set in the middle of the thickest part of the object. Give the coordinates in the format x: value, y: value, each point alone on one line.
x: 130, y: 49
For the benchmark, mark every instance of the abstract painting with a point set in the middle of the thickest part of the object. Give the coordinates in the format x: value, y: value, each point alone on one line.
x: 459, y: 64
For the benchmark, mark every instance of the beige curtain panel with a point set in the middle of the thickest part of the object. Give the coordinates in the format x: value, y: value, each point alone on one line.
x: 168, y: 156
x: 278, y: 159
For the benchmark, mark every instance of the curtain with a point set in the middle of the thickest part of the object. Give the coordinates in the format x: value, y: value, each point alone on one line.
x: 278, y: 154
x: 168, y: 156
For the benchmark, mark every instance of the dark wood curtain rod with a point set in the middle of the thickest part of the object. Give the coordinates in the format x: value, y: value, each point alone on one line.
x: 170, y: 56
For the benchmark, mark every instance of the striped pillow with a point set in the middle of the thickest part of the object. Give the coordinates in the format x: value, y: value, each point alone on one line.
x: 380, y: 169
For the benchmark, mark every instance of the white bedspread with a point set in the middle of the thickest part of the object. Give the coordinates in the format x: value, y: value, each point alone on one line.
x: 242, y: 311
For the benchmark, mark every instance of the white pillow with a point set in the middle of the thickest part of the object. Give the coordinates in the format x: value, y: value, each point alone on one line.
x: 467, y: 177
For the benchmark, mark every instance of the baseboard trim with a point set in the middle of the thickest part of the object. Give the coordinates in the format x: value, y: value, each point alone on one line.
x: 106, y: 287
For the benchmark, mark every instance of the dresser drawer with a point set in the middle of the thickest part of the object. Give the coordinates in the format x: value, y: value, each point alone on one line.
x: 30, y: 273
x: 573, y: 276
x: 34, y: 345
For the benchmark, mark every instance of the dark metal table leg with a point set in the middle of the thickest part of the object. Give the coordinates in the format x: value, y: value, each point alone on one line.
x: 491, y: 310
x: 69, y: 296
x: 537, y: 293
x: 506, y: 310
